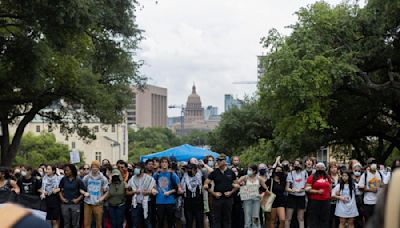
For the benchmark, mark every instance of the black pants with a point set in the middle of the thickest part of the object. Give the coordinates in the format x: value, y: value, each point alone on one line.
x: 222, y: 212
x: 166, y: 211
x: 333, y: 217
x: 368, y: 211
x: 193, y: 209
x: 318, y: 213
x: 237, y: 214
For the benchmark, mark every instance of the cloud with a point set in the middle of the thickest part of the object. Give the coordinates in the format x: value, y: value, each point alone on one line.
x: 212, y: 43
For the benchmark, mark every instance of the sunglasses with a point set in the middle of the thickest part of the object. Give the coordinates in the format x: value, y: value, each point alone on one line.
x: 85, y: 168
x: 220, y: 159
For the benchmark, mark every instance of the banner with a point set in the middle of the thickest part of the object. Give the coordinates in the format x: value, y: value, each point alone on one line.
x: 248, y: 192
x: 74, y: 156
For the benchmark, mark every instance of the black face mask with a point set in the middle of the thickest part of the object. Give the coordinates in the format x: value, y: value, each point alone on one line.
x: 320, y: 172
x: 130, y: 170
x: 297, y: 168
x: 262, y: 172
x: 281, y: 175
x: 191, y: 173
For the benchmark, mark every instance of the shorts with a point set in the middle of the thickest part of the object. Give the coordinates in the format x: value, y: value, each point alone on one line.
x: 296, y: 202
x: 53, y: 213
x: 279, y: 202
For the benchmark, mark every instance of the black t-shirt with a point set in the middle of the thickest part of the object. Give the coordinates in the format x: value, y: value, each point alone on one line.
x: 278, y: 188
x: 223, y: 181
x: 29, y: 186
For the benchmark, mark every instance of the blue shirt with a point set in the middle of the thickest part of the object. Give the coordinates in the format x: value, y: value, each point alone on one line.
x: 163, y: 181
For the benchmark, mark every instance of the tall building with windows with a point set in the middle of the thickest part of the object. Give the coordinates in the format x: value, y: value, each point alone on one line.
x: 111, y: 140
x: 231, y: 102
x: 210, y: 112
x: 148, y: 107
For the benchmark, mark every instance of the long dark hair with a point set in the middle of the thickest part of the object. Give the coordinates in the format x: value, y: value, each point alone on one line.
x: 350, y: 182
x: 315, y: 176
x: 74, y: 171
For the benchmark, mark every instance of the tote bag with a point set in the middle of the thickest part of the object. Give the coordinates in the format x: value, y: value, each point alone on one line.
x: 268, y: 199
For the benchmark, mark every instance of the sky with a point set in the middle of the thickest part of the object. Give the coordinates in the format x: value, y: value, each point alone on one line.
x: 211, y: 43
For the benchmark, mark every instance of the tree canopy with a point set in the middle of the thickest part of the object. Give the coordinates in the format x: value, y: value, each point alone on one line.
x: 74, y: 55
x: 335, y: 79
x: 42, y: 149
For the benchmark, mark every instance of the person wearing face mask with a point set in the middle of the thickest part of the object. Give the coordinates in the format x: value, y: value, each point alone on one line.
x: 193, y: 195
x: 295, y: 186
x: 251, y: 204
x: 319, y: 188
x: 209, y: 165
x: 141, y: 186
x: 264, y: 173
x: 371, y: 182
x: 276, y: 184
x: 356, y: 175
x: 116, y: 199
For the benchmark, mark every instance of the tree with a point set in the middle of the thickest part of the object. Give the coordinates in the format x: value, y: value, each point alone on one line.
x: 43, y: 149
x: 150, y: 140
x: 335, y: 79
x: 196, y: 138
x: 66, y: 61
x: 240, y: 128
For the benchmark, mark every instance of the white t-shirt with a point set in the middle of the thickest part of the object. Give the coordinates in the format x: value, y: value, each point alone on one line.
x: 297, y: 181
x: 345, y: 209
x: 373, y: 181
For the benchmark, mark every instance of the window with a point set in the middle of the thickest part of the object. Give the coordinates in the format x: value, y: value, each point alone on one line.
x: 37, y: 128
x: 96, y: 129
x: 98, y: 156
x: 73, y: 145
x: 113, y: 128
x: 50, y: 128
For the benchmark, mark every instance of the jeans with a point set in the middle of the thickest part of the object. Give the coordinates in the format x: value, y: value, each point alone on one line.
x: 89, y: 211
x: 222, y: 212
x: 193, y: 209
x: 319, y: 213
x: 137, y: 216
x: 117, y: 216
x: 166, y: 211
x: 71, y: 214
x: 251, y: 211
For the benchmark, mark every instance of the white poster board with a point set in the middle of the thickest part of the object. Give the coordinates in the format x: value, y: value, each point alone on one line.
x: 248, y: 192
x: 74, y: 157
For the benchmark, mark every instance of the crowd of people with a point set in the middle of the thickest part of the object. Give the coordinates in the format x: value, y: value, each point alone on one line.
x: 200, y: 193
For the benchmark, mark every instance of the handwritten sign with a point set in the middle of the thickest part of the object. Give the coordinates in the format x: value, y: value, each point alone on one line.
x: 248, y: 192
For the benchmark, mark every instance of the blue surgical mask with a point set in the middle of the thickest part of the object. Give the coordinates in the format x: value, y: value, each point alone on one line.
x: 250, y: 173
x: 136, y: 171
x: 210, y: 163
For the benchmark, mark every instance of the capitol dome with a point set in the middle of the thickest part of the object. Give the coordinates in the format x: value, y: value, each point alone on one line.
x: 193, y: 99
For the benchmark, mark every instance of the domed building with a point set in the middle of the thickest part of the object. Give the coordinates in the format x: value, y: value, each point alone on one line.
x: 194, y: 111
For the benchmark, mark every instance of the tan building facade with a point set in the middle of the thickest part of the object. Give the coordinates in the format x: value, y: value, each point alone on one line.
x: 111, y: 140
x: 149, y: 107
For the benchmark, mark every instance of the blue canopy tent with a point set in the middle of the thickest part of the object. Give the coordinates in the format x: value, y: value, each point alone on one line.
x: 181, y: 153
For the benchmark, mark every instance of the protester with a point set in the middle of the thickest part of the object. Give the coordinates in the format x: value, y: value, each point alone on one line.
x: 319, y: 188
x: 156, y: 163
x: 371, y: 182
x: 97, y: 190
x: 224, y: 179
x: 28, y: 183
x: 7, y: 186
x: 334, y: 175
x: 192, y: 188
x: 71, y: 197
x: 167, y: 186
x: 357, y: 172
x: 149, y: 166
x: 276, y: 184
x: 142, y: 187
x: 251, y: 206
x: 295, y: 186
x: 116, y: 199
x: 49, y: 192
x: 346, y: 207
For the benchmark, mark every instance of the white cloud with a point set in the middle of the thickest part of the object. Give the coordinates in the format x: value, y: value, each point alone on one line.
x: 210, y: 42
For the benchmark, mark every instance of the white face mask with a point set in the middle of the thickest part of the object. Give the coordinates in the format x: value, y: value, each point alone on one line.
x: 373, y: 167
x: 249, y: 172
x: 357, y: 173
x: 23, y: 173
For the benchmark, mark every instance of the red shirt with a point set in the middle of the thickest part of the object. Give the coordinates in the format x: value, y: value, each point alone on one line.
x: 320, y: 183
